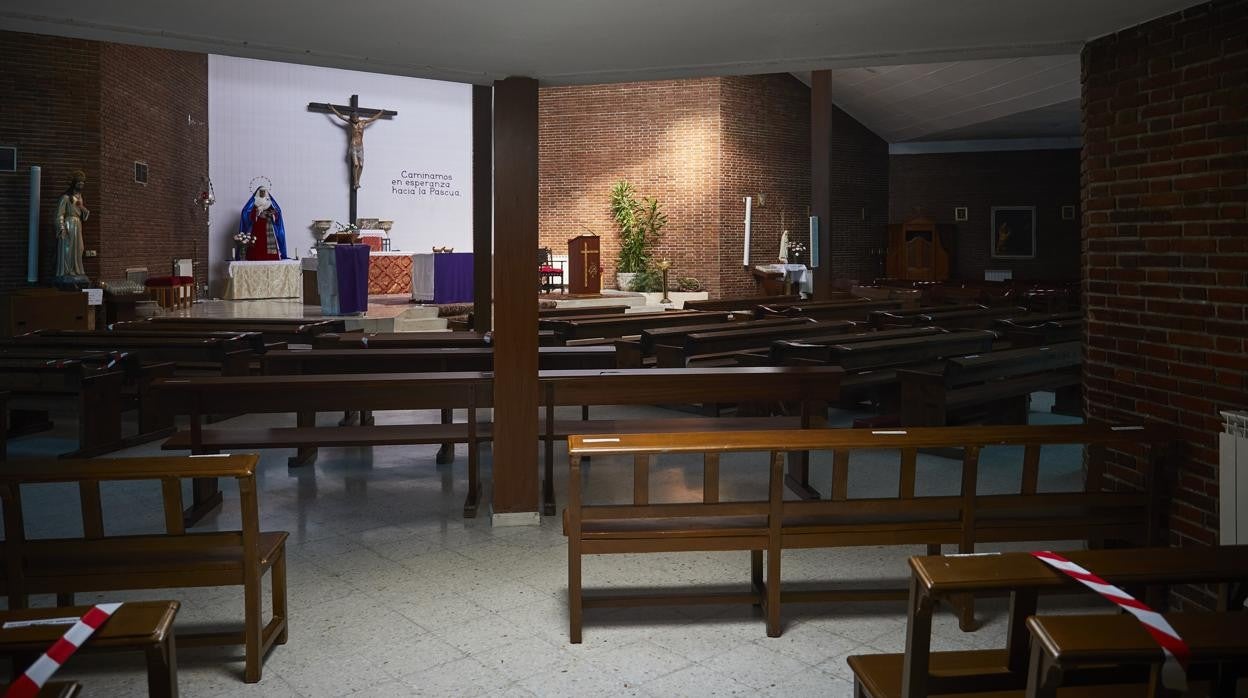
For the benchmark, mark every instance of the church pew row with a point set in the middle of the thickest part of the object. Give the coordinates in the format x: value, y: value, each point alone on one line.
x: 639, y: 352
x: 582, y: 310
x: 855, y: 310
x: 227, y: 355
x: 993, y: 385
x: 137, y: 378
x: 92, y: 389
x: 919, y: 672
x: 170, y: 559
x: 910, y: 317
x: 804, y: 391
x: 769, y: 523
x: 612, y: 328
x: 288, y: 330
x: 747, y: 303
x: 413, y: 340
x: 719, y: 346
x: 137, y: 626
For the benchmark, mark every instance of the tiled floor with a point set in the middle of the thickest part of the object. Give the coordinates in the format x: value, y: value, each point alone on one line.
x: 393, y: 593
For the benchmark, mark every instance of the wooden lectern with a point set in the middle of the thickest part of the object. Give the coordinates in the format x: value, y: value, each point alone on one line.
x: 584, y: 264
x: 920, y: 250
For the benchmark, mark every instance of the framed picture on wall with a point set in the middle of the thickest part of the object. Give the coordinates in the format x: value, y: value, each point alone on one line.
x: 1013, y: 232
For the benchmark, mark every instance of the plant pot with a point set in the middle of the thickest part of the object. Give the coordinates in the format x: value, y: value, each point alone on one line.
x: 624, y: 280
x: 240, y: 252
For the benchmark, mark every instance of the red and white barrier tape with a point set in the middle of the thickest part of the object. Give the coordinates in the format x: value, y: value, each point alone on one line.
x: 28, y: 684
x: 1174, y: 670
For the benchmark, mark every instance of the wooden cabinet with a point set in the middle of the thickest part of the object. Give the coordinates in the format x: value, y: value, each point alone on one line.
x: 28, y: 309
x: 920, y: 250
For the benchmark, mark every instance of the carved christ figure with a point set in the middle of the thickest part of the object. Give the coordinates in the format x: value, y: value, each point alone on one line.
x: 356, y: 147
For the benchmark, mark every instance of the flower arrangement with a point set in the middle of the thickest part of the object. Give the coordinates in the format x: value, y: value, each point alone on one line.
x: 796, y: 250
x: 244, y: 238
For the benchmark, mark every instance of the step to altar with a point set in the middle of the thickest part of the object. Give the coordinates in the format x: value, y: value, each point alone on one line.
x: 414, y: 319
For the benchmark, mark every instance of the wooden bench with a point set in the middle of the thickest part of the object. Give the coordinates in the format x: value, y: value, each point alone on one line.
x: 1064, y: 645
x: 175, y: 558
x: 637, y: 353
x: 707, y: 348
x: 625, y: 325
x: 973, y: 319
x: 138, y: 626
x: 747, y: 303
x: 138, y: 377
x: 227, y: 355
x: 305, y: 395
x: 1031, y: 331
x: 912, y: 317
x: 414, y: 340
x: 289, y: 330
x: 771, y: 523
x: 950, y: 579
x: 857, y: 310
x: 992, y: 386
x: 94, y: 391
x: 583, y: 310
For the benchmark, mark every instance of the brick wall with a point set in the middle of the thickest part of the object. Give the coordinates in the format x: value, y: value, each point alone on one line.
x: 765, y: 139
x: 1165, y: 228
x: 858, y: 204
x: 933, y: 184
x: 153, y: 109
x: 699, y: 146
x: 50, y: 113
x: 663, y: 137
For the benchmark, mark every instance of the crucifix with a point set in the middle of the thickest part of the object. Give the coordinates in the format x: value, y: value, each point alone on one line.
x: 590, y: 269
x: 356, y: 119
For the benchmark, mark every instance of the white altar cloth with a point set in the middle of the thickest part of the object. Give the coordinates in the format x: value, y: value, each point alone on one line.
x: 267, y: 279
x: 796, y: 274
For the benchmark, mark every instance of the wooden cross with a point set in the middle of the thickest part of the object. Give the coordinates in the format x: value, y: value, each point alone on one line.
x: 356, y: 119
x: 588, y: 270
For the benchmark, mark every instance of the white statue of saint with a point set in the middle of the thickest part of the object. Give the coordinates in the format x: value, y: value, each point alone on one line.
x: 784, y: 247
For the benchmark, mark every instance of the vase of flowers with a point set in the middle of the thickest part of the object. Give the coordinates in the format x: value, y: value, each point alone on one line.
x: 796, y: 250
x: 242, y: 242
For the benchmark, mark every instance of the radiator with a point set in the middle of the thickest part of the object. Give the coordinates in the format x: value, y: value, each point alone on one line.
x: 998, y: 274
x: 1233, y: 479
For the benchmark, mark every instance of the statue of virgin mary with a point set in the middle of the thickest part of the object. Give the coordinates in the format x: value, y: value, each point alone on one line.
x: 262, y: 217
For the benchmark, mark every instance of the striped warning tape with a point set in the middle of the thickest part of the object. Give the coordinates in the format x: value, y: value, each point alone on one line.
x: 1174, y: 670
x: 28, y: 684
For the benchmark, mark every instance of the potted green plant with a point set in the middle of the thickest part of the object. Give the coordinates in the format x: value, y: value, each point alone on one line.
x: 640, y: 224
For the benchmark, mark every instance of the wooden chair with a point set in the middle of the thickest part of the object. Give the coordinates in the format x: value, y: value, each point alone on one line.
x: 175, y: 558
x: 547, y: 272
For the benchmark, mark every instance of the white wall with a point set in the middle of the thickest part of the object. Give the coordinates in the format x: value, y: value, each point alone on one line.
x: 259, y: 124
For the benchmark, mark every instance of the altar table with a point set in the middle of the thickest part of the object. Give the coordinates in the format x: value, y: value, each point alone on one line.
x: 796, y: 276
x: 442, y: 278
x: 389, y: 272
x: 264, y: 279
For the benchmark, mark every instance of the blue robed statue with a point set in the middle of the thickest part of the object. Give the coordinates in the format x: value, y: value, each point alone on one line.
x: 262, y: 218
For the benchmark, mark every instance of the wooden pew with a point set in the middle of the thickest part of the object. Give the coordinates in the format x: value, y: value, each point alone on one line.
x: 253, y: 339
x: 768, y: 522
x: 415, y: 340
x: 1062, y: 646
x: 305, y: 395
x: 637, y: 353
x: 172, y: 559
x: 747, y: 303
x: 1031, y: 331
x: 288, y: 330
x: 227, y: 355
x: 154, y: 422
x: 718, y: 346
x: 996, y: 384
x: 139, y: 626
x: 94, y: 391
x: 869, y: 350
x: 583, y: 310
x: 856, y: 310
x: 625, y: 325
x: 973, y: 319
x: 913, y: 317
x: 801, y: 394
x: 950, y: 579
